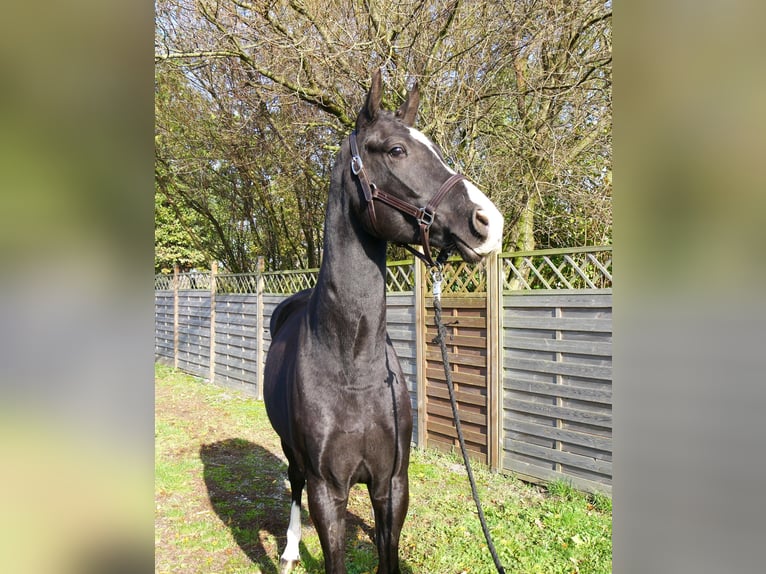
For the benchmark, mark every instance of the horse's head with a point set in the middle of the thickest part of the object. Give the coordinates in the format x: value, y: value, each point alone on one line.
x: 407, y: 193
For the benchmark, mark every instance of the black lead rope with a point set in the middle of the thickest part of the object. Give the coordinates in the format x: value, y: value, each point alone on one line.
x: 436, y: 276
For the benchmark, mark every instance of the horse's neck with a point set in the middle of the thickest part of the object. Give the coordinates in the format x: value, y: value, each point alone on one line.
x: 349, y: 303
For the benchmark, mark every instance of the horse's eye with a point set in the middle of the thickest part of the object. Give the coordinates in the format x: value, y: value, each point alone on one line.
x: 397, y: 151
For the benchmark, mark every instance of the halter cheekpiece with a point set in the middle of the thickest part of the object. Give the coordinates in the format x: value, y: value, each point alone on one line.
x: 423, y: 215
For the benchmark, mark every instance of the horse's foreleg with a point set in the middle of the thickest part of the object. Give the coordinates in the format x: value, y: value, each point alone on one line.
x: 390, y: 503
x: 291, y: 556
x: 327, y: 506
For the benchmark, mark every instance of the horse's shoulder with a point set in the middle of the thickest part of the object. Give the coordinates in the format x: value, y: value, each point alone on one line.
x: 287, y: 308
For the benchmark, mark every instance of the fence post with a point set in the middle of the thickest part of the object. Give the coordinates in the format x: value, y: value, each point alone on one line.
x: 494, y: 361
x: 175, y: 315
x: 259, y: 358
x: 420, y: 349
x: 213, y: 287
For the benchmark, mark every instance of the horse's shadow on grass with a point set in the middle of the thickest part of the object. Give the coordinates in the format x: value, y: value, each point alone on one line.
x: 246, y: 487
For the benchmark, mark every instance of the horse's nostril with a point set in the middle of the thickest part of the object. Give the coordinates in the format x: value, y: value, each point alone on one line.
x: 480, y: 223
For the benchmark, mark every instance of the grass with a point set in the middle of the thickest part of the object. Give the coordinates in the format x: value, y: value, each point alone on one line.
x: 222, y: 502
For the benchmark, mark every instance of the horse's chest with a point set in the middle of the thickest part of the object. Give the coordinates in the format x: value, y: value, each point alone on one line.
x: 365, y: 405
x: 354, y: 403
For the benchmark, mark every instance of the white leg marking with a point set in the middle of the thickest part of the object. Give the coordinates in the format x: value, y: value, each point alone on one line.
x: 293, y: 534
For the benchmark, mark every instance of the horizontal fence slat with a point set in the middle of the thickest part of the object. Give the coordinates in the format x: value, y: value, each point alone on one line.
x: 448, y: 429
x: 239, y: 352
x: 549, y: 454
x: 554, y: 390
x: 553, y: 298
x: 468, y: 379
x: 558, y: 345
x: 558, y: 368
x: 559, y: 324
x: 466, y: 417
x: 438, y: 389
x: 555, y: 433
x: 247, y: 320
x: 235, y: 298
x: 559, y: 412
x: 229, y: 363
x: 460, y: 302
x: 235, y: 332
x: 401, y: 334
x: 457, y: 358
x: 236, y: 367
x: 461, y: 321
x: 448, y: 445
x: 459, y: 340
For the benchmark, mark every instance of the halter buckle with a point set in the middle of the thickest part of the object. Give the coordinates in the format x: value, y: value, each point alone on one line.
x: 356, y: 165
x: 425, y: 217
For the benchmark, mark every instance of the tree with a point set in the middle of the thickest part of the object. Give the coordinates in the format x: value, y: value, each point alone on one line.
x: 257, y: 96
x: 172, y: 242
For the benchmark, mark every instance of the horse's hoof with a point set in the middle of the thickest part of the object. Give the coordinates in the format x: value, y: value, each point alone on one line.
x: 286, y: 566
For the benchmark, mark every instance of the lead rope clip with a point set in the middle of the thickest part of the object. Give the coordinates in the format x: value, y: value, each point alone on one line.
x: 436, y: 281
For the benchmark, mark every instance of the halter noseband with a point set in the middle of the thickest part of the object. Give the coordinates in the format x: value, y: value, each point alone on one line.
x: 423, y: 215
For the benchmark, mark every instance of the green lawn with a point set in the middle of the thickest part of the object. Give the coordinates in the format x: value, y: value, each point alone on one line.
x: 222, y: 502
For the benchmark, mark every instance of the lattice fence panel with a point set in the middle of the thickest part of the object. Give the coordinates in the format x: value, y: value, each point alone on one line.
x: 461, y: 277
x: 194, y: 280
x: 288, y: 282
x: 163, y: 282
x: 236, y: 283
x: 558, y: 269
x: 400, y: 277
x: 186, y: 281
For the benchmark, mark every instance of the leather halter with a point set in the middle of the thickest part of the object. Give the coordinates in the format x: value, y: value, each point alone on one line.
x: 423, y: 215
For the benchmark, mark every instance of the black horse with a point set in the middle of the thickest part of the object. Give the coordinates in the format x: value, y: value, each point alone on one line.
x: 333, y: 387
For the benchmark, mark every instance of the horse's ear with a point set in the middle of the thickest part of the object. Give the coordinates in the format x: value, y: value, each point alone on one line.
x: 408, y: 111
x: 372, y: 104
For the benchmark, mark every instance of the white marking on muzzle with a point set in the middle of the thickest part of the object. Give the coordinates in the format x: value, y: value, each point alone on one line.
x: 494, y: 239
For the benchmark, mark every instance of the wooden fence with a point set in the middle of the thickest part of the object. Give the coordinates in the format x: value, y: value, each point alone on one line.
x: 529, y: 343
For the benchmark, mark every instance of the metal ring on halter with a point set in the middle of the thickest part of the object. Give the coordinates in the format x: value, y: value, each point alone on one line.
x: 426, y: 217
